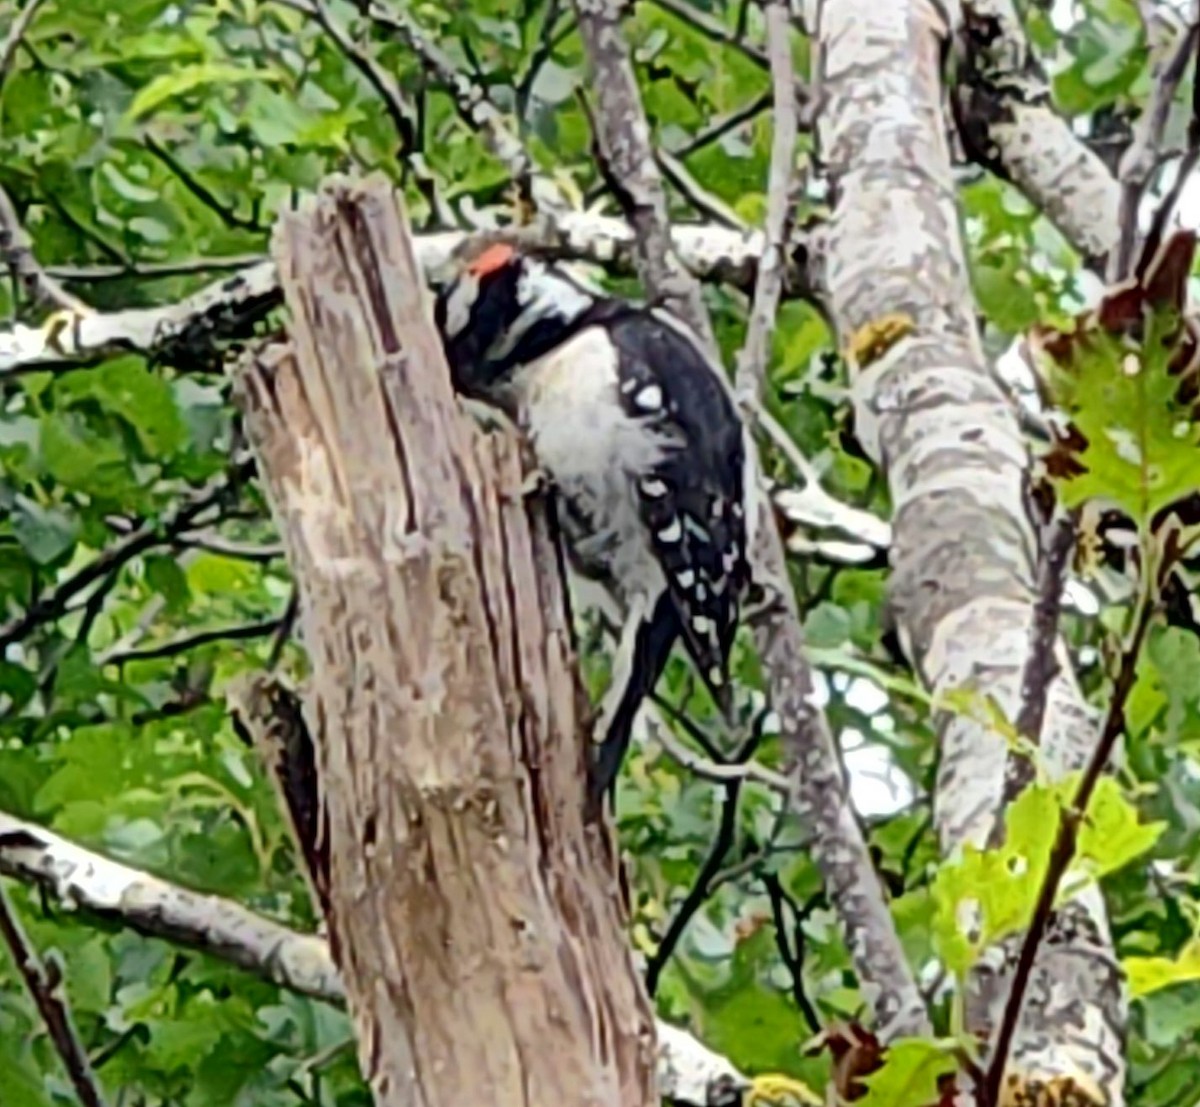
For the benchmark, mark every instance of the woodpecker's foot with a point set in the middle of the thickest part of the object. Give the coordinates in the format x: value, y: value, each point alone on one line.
x: 486, y: 417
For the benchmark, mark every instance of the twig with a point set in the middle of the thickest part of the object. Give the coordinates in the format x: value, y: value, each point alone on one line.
x: 205, y: 195
x: 46, y: 988
x: 1187, y: 164
x: 400, y: 110
x: 211, y: 542
x: 1140, y: 160
x: 18, y: 30
x: 701, y: 887
x: 263, y: 628
x: 689, y: 1072
x: 706, y: 203
x: 548, y: 41
x: 151, y: 270
x: 1064, y: 847
x: 752, y: 361
x: 31, y: 278
x: 793, y: 959
x: 137, y: 542
x: 469, y: 96
x: 720, y: 127
x: 1041, y: 665
x: 721, y: 772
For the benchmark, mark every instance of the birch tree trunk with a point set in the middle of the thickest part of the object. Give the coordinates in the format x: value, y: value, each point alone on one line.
x: 964, y: 549
x: 474, y: 918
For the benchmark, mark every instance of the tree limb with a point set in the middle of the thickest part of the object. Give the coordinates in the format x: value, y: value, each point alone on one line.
x: 961, y: 592
x: 230, y: 307
x: 627, y: 158
x: 78, y: 878
x: 1008, y: 124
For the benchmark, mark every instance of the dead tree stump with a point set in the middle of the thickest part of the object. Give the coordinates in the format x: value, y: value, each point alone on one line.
x: 473, y: 916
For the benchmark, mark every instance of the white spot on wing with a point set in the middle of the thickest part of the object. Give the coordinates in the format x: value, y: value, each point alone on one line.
x: 686, y: 578
x: 653, y: 487
x: 715, y: 676
x: 672, y: 532
x: 702, y: 624
x: 649, y: 398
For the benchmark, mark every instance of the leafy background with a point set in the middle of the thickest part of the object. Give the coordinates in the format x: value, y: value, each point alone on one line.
x: 147, y: 147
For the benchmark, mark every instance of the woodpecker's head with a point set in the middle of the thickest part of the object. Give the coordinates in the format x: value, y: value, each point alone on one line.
x: 501, y: 311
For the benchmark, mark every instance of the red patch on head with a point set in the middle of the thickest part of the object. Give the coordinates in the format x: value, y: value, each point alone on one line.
x: 493, y: 258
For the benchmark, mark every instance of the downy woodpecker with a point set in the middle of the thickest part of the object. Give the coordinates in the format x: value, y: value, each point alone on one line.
x: 639, y: 435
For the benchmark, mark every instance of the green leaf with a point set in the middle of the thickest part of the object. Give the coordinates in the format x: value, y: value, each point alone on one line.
x: 167, y: 577
x: 45, y: 533
x: 1110, y: 835
x: 142, y: 399
x: 1150, y: 974
x: 1134, y: 441
x: 188, y: 78
x: 990, y: 893
x: 81, y: 459
x: 910, y: 1073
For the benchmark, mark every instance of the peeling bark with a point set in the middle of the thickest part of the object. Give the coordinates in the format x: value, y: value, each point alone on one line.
x: 932, y: 415
x: 475, y: 919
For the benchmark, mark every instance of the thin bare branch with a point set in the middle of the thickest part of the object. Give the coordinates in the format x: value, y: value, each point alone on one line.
x: 400, y: 109
x: 627, y: 161
x: 1064, y: 847
x: 472, y: 100
x: 1042, y: 665
x: 752, y: 361
x: 241, y: 632
x: 16, y: 33
x: 721, y: 772
x: 1145, y: 153
x: 54, y: 603
x: 45, y: 984
x: 152, y: 270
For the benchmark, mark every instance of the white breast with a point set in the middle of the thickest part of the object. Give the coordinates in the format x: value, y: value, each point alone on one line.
x: 568, y: 403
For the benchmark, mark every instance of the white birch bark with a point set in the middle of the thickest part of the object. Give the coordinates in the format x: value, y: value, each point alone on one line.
x: 933, y: 416
x: 1009, y: 125
x: 229, y: 306
x: 820, y: 795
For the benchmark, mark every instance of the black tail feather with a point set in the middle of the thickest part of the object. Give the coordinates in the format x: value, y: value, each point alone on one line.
x: 652, y: 649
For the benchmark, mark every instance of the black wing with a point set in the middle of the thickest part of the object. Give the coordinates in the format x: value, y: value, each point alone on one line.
x: 693, y: 501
